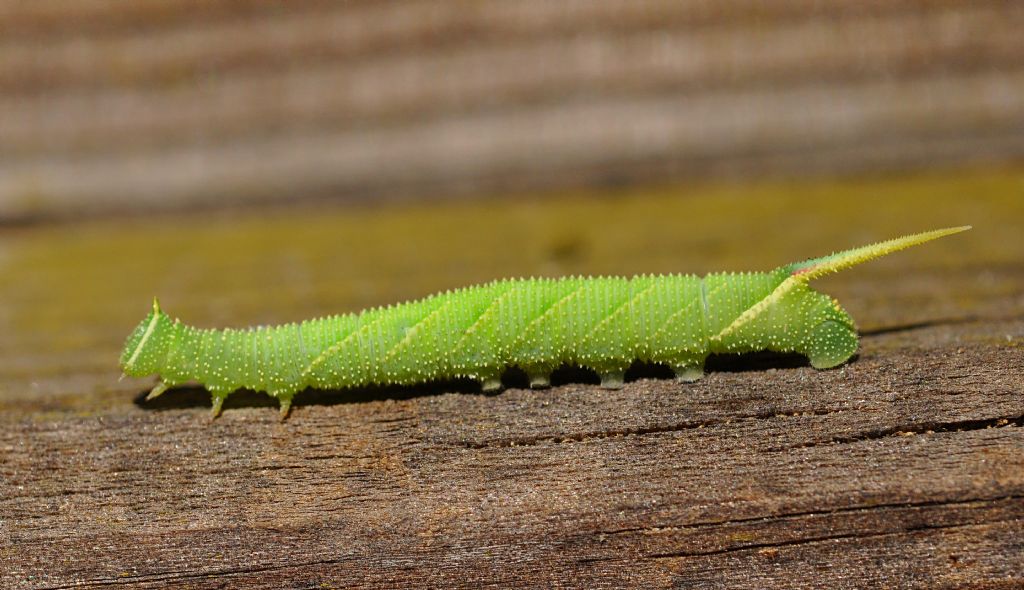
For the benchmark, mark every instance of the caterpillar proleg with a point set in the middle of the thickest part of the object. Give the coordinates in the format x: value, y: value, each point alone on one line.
x: 602, y: 323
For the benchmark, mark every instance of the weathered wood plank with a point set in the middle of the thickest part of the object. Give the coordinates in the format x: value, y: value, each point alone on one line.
x: 904, y: 468
x: 657, y: 483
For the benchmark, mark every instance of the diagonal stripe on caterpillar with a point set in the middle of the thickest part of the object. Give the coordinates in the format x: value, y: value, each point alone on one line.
x: 602, y: 323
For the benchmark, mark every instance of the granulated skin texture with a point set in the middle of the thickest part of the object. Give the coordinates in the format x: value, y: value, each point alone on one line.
x: 603, y: 324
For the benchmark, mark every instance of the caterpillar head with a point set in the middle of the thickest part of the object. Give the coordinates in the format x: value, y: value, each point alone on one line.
x: 146, y: 347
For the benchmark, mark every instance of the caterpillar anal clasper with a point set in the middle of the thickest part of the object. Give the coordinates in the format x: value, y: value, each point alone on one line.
x: 603, y: 323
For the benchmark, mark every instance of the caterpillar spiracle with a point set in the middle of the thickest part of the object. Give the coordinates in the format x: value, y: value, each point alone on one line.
x: 602, y: 323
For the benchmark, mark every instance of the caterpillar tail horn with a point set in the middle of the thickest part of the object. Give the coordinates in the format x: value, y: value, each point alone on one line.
x: 801, y: 272
x: 818, y: 267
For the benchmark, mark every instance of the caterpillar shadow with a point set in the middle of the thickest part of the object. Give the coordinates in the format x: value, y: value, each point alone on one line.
x: 914, y: 326
x: 195, y: 396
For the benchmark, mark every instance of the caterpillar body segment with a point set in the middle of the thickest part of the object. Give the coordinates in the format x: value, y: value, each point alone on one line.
x: 603, y: 323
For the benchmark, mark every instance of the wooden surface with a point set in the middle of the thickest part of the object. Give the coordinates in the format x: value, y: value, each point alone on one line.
x: 904, y: 468
x: 167, y: 104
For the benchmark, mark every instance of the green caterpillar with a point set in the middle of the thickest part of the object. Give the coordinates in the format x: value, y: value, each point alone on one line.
x: 600, y: 323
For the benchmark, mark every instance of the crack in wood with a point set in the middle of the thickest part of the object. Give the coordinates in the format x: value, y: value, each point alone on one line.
x: 527, y: 441
x: 177, y: 575
x: 823, y: 538
x: 913, y: 429
x: 812, y: 513
x: 901, y: 430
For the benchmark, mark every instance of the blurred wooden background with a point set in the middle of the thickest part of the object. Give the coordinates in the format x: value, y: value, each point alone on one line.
x: 111, y: 106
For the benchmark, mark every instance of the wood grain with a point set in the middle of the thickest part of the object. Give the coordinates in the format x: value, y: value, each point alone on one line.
x: 904, y: 468
x: 170, y: 104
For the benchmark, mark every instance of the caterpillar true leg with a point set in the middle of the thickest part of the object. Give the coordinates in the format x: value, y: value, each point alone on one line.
x: 218, y: 395
x: 286, y: 404
x: 157, y: 390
